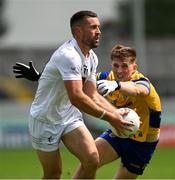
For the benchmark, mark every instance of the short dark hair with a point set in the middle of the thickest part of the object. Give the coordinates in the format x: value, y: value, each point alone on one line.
x: 79, y: 16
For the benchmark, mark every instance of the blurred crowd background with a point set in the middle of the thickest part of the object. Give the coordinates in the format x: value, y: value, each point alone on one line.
x: 33, y: 29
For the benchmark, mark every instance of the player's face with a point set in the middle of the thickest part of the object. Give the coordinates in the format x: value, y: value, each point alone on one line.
x: 123, y: 69
x: 90, y: 32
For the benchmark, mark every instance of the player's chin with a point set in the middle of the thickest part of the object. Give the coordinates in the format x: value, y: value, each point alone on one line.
x: 95, y: 44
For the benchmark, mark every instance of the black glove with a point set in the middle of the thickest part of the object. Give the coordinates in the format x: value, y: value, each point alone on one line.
x: 24, y: 71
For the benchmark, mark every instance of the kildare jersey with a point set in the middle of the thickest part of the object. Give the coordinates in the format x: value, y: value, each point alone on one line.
x: 51, y: 103
x: 148, y: 107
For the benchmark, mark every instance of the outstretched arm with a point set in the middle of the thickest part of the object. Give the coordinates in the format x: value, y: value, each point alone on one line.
x: 140, y: 87
x: 23, y: 71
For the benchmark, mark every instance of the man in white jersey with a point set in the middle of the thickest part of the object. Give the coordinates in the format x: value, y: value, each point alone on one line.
x: 66, y: 87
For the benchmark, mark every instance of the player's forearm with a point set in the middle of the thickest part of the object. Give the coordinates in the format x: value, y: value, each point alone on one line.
x: 102, y: 102
x: 129, y: 88
x: 87, y: 105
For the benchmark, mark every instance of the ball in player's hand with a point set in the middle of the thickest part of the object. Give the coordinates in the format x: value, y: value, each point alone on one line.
x: 132, y: 117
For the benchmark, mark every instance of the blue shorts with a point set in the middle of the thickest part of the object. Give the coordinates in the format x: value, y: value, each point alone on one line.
x: 134, y: 155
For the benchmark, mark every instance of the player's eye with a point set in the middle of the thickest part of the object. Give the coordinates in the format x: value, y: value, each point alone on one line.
x: 115, y: 65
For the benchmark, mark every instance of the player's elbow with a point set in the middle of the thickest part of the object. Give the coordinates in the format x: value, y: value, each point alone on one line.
x: 137, y: 92
x: 141, y: 92
x: 134, y: 92
x: 75, y: 99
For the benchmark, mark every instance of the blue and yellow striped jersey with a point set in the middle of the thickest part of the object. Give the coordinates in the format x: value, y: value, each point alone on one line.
x: 147, y: 107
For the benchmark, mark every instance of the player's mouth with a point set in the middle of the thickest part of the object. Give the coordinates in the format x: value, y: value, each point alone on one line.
x: 96, y: 41
x: 97, y: 38
x: 120, y: 77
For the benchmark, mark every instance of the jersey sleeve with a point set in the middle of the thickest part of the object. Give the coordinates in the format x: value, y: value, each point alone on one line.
x: 69, y: 66
x: 143, y: 81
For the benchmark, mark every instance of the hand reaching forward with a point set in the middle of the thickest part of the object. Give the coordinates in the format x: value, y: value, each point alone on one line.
x: 23, y: 71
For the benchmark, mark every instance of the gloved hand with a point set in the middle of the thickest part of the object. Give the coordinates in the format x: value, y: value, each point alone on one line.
x: 24, y: 71
x: 104, y: 87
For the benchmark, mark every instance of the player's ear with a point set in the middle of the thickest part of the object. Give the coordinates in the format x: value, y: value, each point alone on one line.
x: 135, y: 67
x: 77, y: 31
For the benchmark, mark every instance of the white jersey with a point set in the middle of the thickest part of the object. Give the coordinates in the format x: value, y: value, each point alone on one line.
x: 51, y: 103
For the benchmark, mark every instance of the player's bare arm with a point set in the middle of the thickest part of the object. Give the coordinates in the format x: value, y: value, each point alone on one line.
x: 128, y: 87
x: 131, y: 88
x: 82, y: 101
x: 90, y: 89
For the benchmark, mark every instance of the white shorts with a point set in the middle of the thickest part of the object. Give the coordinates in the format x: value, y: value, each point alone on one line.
x: 47, y: 137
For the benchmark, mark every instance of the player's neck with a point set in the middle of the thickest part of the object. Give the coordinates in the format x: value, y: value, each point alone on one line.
x: 84, y: 49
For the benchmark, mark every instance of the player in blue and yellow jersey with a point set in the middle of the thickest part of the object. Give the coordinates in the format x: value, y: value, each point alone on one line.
x: 125, y: 86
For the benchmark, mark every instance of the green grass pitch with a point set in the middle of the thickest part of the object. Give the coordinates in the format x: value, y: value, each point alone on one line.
x: 23, y: 164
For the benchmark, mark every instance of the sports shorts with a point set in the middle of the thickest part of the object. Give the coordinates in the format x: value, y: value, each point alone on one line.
x: 47, y: 137
x: 134, y: 155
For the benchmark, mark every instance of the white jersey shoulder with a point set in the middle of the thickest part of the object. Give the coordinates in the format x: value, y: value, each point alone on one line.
x: 72, y: 64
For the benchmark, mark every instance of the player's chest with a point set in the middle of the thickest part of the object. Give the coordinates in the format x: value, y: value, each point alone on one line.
x: 86, y: 68
x: 120, y: 100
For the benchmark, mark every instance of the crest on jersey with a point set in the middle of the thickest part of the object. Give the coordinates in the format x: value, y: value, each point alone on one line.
x: 76, y: 69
